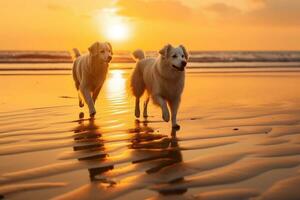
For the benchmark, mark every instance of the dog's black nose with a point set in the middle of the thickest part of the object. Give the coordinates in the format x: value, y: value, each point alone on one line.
x: 183, y: 63
x: 109, y: 58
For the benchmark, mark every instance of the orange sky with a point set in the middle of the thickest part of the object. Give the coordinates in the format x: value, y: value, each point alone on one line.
x: 149, y: 24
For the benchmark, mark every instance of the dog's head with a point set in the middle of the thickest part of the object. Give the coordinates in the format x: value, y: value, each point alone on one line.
x: 101, y: 51
x: 175, y: 57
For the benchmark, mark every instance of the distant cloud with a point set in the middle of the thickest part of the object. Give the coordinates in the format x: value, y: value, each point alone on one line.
x: 69, y: 11
x: 223, y: 9
x: 254, y: 12
x: 56, y: 7
x: 277, y: 13
x: 266, y: 13
x: 258, y: 1
x: 86, y: 16
x: 155, y: 9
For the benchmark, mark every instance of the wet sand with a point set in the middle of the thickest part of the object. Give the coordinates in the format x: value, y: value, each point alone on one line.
x: 239, y: 139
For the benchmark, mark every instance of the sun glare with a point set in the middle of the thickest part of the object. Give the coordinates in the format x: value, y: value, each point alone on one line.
x: 112, y: 26
x: 117, y: 31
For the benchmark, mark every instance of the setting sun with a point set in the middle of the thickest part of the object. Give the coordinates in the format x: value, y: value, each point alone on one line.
x: 112, y: 26
x: 116, y: 32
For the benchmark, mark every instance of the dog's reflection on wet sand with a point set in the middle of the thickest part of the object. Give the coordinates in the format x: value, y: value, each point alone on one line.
x: 91, y: 133
x: 142, y: 139
x: 169, y: 144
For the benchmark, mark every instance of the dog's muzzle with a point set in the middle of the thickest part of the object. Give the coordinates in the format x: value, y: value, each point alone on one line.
x: 182, y: 67
x: 109, y: 58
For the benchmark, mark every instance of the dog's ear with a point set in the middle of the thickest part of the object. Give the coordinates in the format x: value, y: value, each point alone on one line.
x: 186, y: 54
x: 111, y: 50
x: 93, y: 49
x: 165, y: 50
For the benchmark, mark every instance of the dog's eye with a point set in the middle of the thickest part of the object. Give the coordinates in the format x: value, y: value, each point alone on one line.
x: 182, y: 56
x: 102, y: 51
x: 174, y: 56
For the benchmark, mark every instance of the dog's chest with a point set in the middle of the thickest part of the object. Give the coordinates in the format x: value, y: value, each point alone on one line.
x: 97, y: 78
x: 171, y: 88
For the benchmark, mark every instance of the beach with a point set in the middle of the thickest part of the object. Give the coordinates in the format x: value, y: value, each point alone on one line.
x: 239, y: 138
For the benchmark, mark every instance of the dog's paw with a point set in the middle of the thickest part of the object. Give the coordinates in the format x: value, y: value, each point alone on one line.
x: 176, y: 127
x: 81, y: 115
x: 137, y: 113
x: 81, y: 104
x: 145, y: 114
x: 166, y: 116
x: 92, y: 114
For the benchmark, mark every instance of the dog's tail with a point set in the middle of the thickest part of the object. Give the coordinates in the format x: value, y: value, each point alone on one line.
x: 137, y: 82
x: 76, y: 52
x: 138, y: 54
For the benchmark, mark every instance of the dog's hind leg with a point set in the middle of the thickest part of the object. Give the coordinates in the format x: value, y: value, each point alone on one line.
x: 174, y: 108
x: 137, y: 107
x: 145, y: 113
x: 164, y: 108
x: 77, y: 84
x: 138, y: 88
x: 81, y: 104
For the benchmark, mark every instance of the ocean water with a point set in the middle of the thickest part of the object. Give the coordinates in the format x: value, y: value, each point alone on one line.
x: 59, y: 62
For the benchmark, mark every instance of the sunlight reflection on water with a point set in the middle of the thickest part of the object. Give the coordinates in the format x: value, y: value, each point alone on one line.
x: 116, y: 86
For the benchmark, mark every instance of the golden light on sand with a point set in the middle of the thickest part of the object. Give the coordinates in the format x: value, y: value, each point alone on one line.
x: 112, y: 26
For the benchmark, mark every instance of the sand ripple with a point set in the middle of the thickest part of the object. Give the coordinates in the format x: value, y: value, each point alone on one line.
x: 215, y: 151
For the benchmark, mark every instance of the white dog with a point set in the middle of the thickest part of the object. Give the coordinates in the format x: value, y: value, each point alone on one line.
x: 162, y: 78
x: 89, y: 73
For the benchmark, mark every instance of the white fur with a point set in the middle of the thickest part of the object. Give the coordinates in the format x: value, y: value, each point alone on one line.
x: 89, y: 73
x: 163, y: 80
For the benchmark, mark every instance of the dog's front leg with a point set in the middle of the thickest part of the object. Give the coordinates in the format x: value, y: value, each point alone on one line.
x: 145, y: 112
x: 174, y: 109
x: 95, y: 94
x: 137, y: 107
x: 164, y: 108
x: 88, y: 99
